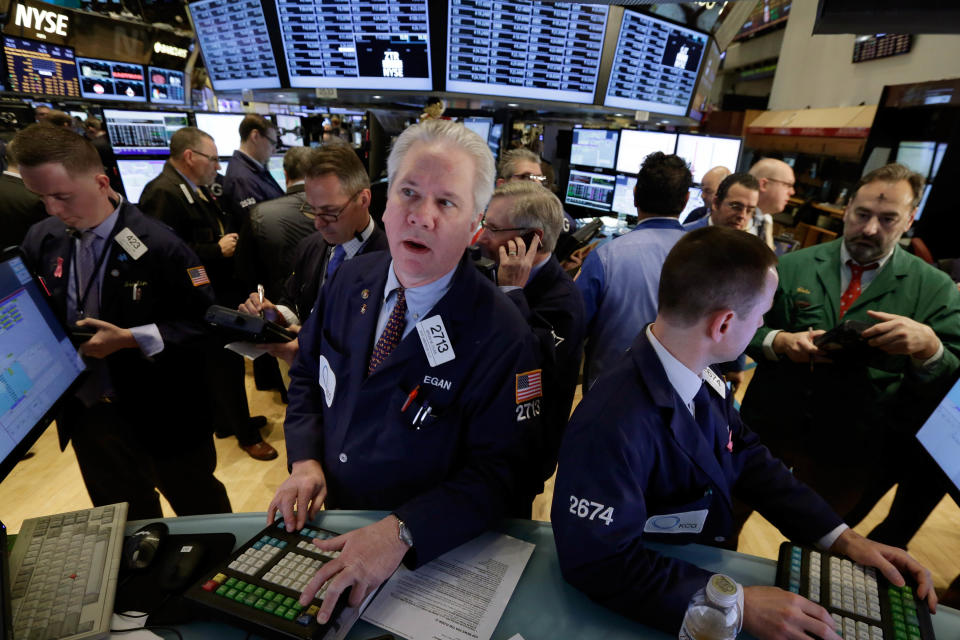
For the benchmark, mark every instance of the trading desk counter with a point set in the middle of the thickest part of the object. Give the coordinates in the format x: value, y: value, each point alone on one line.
x: 543, y: 606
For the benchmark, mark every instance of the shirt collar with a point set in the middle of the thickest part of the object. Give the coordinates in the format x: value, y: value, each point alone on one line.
x: 684, y: 381
x: 845, y: 256
x: 249, y: 157
x: 535, y: 269
x: 423, y: 298
x: 353, y: 245
x: 193, y: 187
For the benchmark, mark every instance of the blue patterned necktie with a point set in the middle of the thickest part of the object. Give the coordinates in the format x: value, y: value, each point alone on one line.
x: 86, y: 270
x: 335, y: 261
x: 392, y: 333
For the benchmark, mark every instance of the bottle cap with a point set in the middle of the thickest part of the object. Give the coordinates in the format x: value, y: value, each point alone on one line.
x: 722, y: 590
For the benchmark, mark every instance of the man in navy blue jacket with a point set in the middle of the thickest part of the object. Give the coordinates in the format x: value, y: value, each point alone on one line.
x: 408, y: 389
x: 248, y: 181
x: 657, y: 452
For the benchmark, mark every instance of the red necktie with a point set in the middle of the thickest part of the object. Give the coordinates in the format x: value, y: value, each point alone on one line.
x: 392, y: 333
x: 853, y: 289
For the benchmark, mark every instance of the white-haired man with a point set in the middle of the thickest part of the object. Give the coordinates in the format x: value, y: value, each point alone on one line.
x: 423, y: 423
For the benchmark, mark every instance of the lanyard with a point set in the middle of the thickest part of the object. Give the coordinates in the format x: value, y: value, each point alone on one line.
x: 82, y: 297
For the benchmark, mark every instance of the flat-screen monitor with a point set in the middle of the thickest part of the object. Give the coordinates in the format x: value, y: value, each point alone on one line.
x: 166, y: 86
x: 623, y: 195
x: 590, y: 190
x: 224, y: 128
x: 38, y: 363
x: 111, y: 80
x: 275, y: 167
x: 695, y: 201
x: 940, y: 434
x: 289, y: 130
x: 372, y: 45
x: 708, y: 75
x: 923, y: 202
x: 496, y: 132
x: 703, y: 153
x: 236, y: 44
x: 594, y: 148
x: 480, y: 126
x: 938, y: 158
x: 917, y: 156
x: 135, y: 174
x: 41, y: 67
x: 142, y: 133
x: 635, y: 146
x: 531, y: 50
x: 655, y: 65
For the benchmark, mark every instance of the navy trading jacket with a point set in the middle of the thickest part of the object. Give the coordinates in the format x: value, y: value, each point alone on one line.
x: 450, y: 479
x: 247, y: 183
x: 636, y: 467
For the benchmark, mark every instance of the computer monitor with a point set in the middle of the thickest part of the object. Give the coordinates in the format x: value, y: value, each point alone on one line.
x: 275, y: 167
x: 38, y: 363
x: 480, y: 126
x: 938, y: 158
x: 594, y: 148
x: 496, y: 132
x: 530, y: 50
x: 940, y: 434
x: 708, y: 75
x: 166, y: 86
x: 288, y: 128
x: 235, y: 42
x: 224, y: 128
x: 376, y: 47
x: 695, y: 201
x: 703, y: 153
x: 635, y: 146
x: 623, y: 195
x: 590, y: 190
x: 917, y: 156
x: 135, y: 174
x: 111, y: 80
x: 923, y: 202
x: 142, y: 133
x: 655, y: 65
x: 41, y: 67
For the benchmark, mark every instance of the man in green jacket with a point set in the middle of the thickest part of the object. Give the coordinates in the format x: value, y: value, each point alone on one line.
x: 845, y: 422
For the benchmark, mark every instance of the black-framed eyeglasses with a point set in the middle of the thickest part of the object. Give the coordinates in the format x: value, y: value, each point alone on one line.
x: 207, y: 156
x: 274, y: 141
x: 327, y: 216
x: 495, y: 229
x: 736, y: 207
x: 535, y: 177
x: 789, y: 185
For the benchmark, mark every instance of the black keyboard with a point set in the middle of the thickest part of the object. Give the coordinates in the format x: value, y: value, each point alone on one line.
x: 258, y: 587
x: 863, y: 603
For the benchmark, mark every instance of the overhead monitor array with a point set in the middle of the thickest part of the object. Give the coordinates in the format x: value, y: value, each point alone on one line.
x: 166, y: 86
x: 41, y: 67
x: 235, y: 42
x: 111, y: 80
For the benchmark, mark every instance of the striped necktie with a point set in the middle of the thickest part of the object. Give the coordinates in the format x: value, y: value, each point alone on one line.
x: 392, y: 333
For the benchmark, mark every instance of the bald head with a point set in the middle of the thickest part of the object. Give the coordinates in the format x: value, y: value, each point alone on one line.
x: 776, y: 184
x: 709, y: 183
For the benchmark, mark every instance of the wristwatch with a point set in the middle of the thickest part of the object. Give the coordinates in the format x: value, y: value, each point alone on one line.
x: 403, y: 533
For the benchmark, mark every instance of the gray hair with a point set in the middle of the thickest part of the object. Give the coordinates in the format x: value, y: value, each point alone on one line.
x: 295, y: 163
x: 513, y: 157
x: 447, y: 133
x: 534, y: 207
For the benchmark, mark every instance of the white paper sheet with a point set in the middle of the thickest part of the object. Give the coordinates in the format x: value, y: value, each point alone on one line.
x: 459, y: 596
x: 249, y: 350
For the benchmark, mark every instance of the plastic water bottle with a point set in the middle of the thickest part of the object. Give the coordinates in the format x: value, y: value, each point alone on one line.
x: 715, y: 612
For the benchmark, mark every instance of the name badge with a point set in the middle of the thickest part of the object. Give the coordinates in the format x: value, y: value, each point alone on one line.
x: 436, y: 343
x: 327, y: 380
x: 714, y: 381
x: 186, y: 193
x: 130, y: 243
x: 686, y: 522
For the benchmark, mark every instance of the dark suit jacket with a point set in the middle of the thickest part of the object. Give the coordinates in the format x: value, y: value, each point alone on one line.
x: 18, y: 210
x: 163, y: 394
x: 310, y: 268
x: 245, y: 184
x: 553, y: 307
x: 634, y: 450
x: 450, y: 479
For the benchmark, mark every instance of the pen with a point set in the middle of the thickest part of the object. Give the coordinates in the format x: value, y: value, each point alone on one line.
x: 410, y: 397
x: 260, y: 293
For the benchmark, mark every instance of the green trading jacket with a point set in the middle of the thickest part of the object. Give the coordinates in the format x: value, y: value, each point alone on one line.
x: 885, y: 390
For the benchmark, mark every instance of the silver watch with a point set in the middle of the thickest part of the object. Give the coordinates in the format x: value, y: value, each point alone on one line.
x: 403, y: 532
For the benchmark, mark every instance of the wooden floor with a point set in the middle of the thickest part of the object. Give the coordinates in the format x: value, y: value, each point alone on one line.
x: 49, y: 482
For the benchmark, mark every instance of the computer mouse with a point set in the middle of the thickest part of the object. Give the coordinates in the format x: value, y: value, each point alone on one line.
x: 141, y: 548
x: 180, y: 565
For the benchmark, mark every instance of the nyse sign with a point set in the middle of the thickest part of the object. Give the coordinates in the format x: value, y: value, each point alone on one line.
x: 43, y: 21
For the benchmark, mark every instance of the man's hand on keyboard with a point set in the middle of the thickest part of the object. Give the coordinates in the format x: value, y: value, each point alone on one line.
x: 368, y: 556
x: 306, y: 488
x: 889, y: 560
x: 770, y: 613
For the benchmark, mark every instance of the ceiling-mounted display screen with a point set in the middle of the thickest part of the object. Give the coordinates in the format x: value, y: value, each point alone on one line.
x: 39, y: 67
x: 357, y: 45
x: 166, y: 86
x: 236, y: 44
x: 703, y: 153
x: 655, y: 65
x: 531, y: 50
x: 111, y: 80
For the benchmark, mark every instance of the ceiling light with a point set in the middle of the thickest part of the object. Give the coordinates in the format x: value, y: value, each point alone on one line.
x: 512, y: 104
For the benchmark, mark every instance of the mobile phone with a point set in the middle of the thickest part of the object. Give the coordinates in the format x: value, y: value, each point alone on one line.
x: 528, y: 239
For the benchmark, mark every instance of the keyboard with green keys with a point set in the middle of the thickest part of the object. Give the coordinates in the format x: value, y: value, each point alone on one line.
x: 863, y: 603
x: 259, y: 586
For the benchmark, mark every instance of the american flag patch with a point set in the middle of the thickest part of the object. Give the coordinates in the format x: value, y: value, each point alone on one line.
x: 529, y: 386
x: 198, y: 276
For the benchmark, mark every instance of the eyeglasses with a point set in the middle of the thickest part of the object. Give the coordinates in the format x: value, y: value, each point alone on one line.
x: 736, y: 207
x: 530, y: 176
x: 274, y: 141
x: 207, y: 156
x: 327, y: 216
x: 495, y: 229
x: 789, y: 185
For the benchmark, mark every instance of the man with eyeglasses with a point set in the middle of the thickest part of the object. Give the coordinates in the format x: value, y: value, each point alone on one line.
x: 336, y: 199
x: 180, y: 197
x: 776, y: 181
x: 708, y: 191
x: 520, y: 231
x: 733, y: 205
x: 247, y: 181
